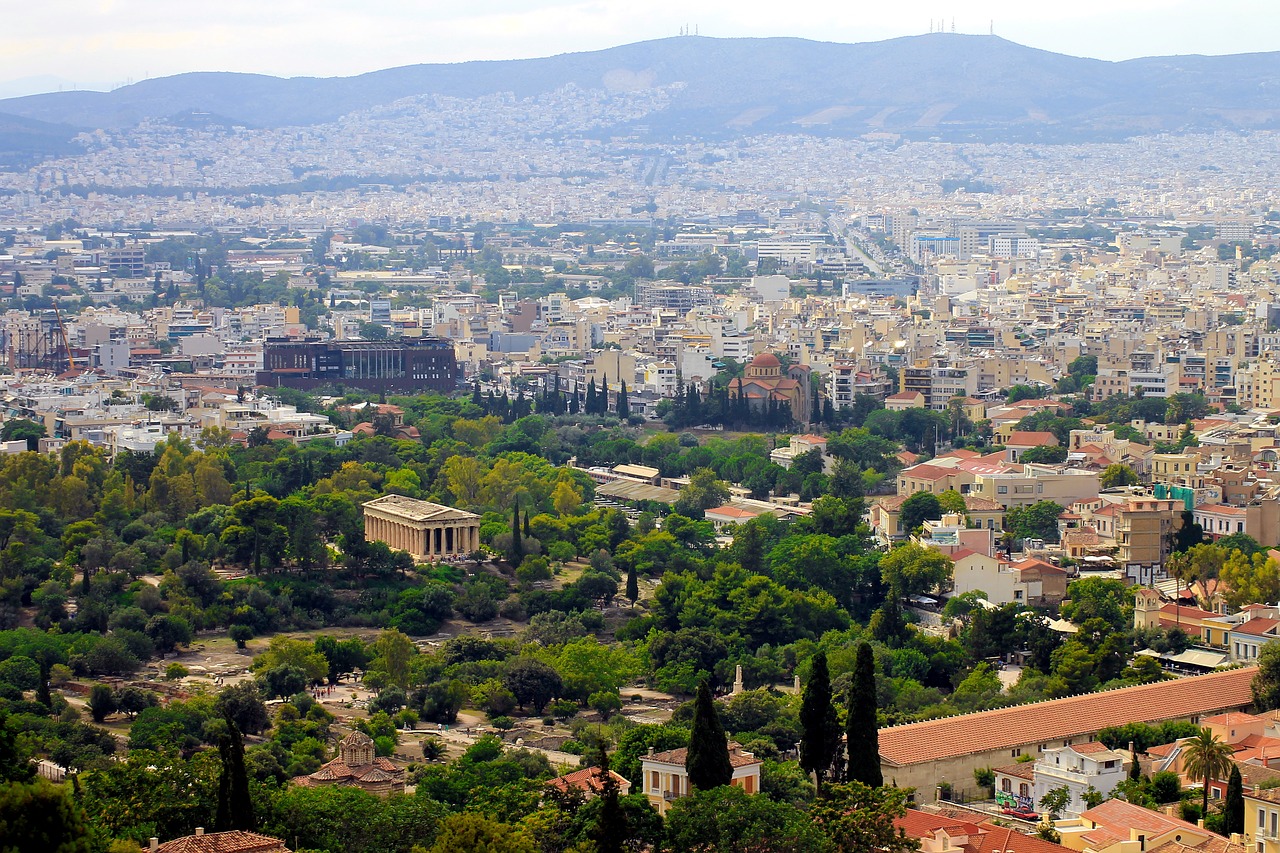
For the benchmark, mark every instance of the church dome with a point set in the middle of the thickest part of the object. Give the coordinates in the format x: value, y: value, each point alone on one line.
x: 766, y: 359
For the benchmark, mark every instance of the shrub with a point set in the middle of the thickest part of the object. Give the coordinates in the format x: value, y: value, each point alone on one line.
x: 174, y: 671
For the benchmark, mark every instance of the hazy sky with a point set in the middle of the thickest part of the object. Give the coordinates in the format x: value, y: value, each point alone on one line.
x: 106, y: 42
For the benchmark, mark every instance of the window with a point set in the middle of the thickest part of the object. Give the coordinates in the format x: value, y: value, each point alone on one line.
x: 1002, y: 490
x: 653, y: 780
x: 1007, y: 787
x: 1023, y: 790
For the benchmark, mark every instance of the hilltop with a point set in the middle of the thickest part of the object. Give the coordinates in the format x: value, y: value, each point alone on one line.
x: 943, y: 85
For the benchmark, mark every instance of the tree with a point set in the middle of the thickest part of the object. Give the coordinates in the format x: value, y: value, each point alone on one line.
x: 133, y: 700
x: 703, y: 492
x: 473, y: 832
x: 19, y: 429
x: 1038, y: 521
x: 241, y: 634
x: 1044, y: 454
x: 1233, y: 805
x: 235, y: 806
x: 860, y: 818
x: 1055, y: 801
x: 1266, y: 683
x: 242, y: 704
x: 623, y: 405
x: 633, y: 584
x: 707, y: 760
x: 393, y: 652
x: 1206, y: 757
x: 1117, y: 474
x: 39, y: 817
x: 912, y: 569
x: 920, y: 507
x: 517, y: 540
x: 1189, y: 534
x: 729, y: 820
x: 1249, y: 579
x: 102, y: 702
x: 818, y: 721
x: 862, y: 731
x: 611, y: 829
x: 532, y: 682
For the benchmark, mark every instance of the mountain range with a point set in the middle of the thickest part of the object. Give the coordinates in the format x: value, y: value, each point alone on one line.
x: 944, y: 85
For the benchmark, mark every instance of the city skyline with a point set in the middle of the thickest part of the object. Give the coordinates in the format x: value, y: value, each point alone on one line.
x: 101, y: 45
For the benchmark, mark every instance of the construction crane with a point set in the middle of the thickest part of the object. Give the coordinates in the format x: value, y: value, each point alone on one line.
x: 62, y: 329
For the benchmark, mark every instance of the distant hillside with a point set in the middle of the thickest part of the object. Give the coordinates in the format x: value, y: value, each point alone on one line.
x: 946, y: 85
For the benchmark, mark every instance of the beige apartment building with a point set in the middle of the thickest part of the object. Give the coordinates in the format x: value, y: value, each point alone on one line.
x: 1035, y: 483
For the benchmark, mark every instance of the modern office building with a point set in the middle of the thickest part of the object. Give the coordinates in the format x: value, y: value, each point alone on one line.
x: 401, y: 366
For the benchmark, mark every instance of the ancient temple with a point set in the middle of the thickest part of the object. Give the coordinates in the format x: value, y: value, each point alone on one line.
x: 427, y: 531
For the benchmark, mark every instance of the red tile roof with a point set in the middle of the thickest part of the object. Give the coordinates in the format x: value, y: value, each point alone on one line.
x: 235, y: 841
x: 678, y: 756
x: 983, y: 836
x: 1059, y: 719
x: 589, y: 779
x: 1031, y: 438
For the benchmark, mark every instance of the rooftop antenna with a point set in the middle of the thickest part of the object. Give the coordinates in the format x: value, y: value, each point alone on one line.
x: 953, y: 25
x: 931, y: 25
x: 993, y: 26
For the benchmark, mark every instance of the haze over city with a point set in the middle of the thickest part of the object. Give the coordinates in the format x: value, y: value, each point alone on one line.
x: 106, y: 43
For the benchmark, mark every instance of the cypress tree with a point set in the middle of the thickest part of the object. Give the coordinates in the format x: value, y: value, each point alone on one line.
x: 235, y: 806
x: 612, y: 827
x: 602, y: 399
x: 633, y: 585
x: 862, y: 730
x: 528, y: 531
x: 42, y: 693
x: 591, y: 396
x: 517, y: 545
x: 1233, y: 805
x: 820, y: 738
x: 708, y: 757
x: 623, y: 406
x: 476, y: 399
x: 575, y: 403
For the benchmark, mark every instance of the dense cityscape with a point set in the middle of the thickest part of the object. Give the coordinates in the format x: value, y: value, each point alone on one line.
x: 466, y: 474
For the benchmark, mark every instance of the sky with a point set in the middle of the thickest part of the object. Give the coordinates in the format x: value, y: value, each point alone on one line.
x: 101, y: 44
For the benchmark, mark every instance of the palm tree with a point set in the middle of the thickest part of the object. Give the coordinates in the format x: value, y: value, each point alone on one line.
x: 1207, y: 758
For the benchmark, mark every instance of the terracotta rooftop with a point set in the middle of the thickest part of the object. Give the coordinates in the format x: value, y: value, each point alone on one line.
x: 1059, y: 719
x: 677, y: 756
x: 587, y: 779
x: 1118, y: 813
x: 1031, y: 439
x: 983, y: 836
x: 235, y: 841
